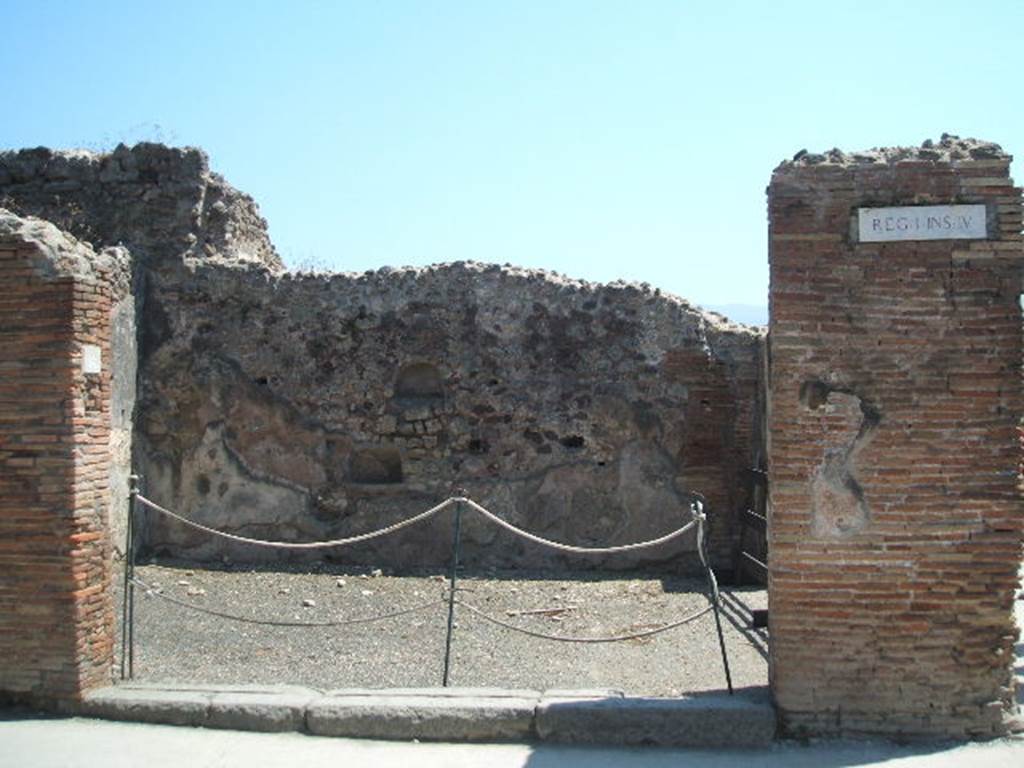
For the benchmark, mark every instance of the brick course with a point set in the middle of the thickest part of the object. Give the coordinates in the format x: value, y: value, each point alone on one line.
x: 894, y: 396
x: 56, y: 611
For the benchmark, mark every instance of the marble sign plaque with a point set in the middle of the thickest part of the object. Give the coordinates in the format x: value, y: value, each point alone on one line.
x: 922, y: 222
x: 91, y: 359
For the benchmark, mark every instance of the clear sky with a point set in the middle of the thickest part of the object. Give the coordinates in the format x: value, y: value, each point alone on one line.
x: 603, y: 140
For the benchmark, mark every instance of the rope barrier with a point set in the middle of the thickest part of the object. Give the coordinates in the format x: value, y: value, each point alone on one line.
x: 153, y: 592
x: 417, y: 518
x: 586, y: 640
x: 569, y: 547
x: 297, y: 545
x: 699, y: 518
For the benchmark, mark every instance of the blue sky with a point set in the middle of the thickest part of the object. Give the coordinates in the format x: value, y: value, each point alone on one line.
x: 603, y: 140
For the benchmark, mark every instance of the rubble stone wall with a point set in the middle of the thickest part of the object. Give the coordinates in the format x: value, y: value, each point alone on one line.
x: 162, y: 203
x: 56, y: 601
x: 299, y: 407
x: 895, y: 393
x: 306, y: 407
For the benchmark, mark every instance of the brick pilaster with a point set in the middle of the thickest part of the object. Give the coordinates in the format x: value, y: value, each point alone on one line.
x: 895, y: 393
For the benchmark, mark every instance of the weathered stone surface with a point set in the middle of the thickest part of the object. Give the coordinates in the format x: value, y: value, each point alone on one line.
x: 148, y: 705
x: 58, y: 254
x: 218, y: 688
x: 260, y: 710
x: 948, y: 149
x: 303, y: 407
x: 242, y: 707
x: 123, y: 374
x: 455, y: 714
x: 745, y: 719
x: 453, y: 692
x: 583, y: 693
x: 299, y: 407
x: 465, y: 717
x: 162, y: 203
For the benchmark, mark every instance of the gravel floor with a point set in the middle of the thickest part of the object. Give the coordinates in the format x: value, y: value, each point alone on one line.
x: 176, y: 644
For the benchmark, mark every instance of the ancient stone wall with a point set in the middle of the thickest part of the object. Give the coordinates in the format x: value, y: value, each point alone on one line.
x: 162, y: 203
x: 56, y: 603
x: 305, y: 407
x: 301, y: 406
x: 895, y: 392
x: 124, y: 373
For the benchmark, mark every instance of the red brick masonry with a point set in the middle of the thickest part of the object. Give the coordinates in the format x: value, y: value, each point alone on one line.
x: 894, y: 397
x: 895, y: 393
x: 56, y: 612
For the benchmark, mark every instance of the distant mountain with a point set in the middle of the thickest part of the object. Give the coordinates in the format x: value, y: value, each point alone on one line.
x: 751, y: 314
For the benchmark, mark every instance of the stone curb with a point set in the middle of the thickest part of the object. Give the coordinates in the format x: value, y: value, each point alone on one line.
x: 746, y: 719
x: 467, y: 718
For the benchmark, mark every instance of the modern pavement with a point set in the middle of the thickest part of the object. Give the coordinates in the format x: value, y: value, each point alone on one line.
x: 28, y: 741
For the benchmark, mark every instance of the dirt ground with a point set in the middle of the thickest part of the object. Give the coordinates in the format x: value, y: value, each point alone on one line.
x: 176, y: 643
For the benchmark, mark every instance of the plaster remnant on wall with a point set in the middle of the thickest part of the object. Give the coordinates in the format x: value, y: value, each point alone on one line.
x: 838, y: 506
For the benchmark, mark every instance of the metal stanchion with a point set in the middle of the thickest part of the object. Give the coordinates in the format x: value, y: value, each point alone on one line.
x: 128, y: 603
x: 456, y: 542
x: 699, y: 505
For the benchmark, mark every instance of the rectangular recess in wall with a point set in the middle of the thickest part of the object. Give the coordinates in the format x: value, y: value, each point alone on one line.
x: 922, y: 222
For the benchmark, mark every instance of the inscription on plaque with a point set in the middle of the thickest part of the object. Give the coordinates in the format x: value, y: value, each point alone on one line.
x: 922, y: 222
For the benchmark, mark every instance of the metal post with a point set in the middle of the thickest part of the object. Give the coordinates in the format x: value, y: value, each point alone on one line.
x: 128, y: 603
x: 700, y: 504
x: 718, y: 625
x: 456, y: 540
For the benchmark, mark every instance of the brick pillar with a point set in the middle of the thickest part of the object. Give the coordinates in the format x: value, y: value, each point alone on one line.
x: 56, y: 606
x: 895, y: 392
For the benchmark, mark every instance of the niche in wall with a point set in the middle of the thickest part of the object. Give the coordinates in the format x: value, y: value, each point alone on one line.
x: 420, y: 381
x: 376, y: 466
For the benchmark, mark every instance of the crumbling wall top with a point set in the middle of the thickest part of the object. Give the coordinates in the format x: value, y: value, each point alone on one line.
x: 57, y: 254
x: 500, y: 283
x: 948, y: 149
x: 163, y: 203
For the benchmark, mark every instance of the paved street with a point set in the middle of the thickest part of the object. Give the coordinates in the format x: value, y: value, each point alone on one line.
x: 69, y: 743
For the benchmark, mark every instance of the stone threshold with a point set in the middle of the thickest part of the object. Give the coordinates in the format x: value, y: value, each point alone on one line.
x: 712, y: 719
